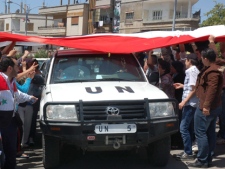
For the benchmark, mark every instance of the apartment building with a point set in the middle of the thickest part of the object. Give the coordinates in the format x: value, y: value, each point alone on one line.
x: 68, y: 20
x: 157, y: 15
x: 16, y: 23
x: 78, y: 18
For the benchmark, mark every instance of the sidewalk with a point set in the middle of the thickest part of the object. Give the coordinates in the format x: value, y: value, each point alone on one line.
x: 218, y: 160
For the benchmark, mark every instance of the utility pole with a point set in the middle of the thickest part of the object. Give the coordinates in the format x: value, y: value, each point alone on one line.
x: 112, y: 6
x: 27, y: 10
x: 5, y: 7
x: 92, y: 4
x: 174, y: 14
x: 8, y: 6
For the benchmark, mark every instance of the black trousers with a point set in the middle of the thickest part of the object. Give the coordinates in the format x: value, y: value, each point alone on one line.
x: 19, y: 138
x: 9, y: 140
x: 36, y: 107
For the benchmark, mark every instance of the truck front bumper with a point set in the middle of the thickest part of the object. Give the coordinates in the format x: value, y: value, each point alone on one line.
x: 83, y: 135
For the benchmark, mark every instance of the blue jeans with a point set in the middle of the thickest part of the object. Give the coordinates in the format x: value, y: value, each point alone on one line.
x: 205, y: 132
x: 186, y: 129
x: 222, y: 118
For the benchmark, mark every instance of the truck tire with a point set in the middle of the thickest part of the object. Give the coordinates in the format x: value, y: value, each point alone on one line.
x: 159, y: 152
x: 51, y: 151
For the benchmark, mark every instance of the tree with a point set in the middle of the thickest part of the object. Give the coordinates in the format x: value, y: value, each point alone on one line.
x: 216, y: 16
x: 41, y: 54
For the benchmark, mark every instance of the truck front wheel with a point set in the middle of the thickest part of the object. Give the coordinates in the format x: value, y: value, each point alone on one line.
x: 159, y: 152
x: 51, y: 151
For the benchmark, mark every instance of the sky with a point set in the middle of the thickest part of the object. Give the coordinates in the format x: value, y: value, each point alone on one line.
x: 204, y: 5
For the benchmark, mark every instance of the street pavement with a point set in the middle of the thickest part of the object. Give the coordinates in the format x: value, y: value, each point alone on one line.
x: 109, y: 160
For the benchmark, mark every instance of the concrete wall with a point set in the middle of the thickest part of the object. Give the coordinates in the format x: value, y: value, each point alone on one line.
x: 137, y: 8
x: 80, y: 11
x: 74, y: 29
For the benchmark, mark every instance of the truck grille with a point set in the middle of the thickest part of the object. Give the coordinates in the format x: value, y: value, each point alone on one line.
x: 98, y: 111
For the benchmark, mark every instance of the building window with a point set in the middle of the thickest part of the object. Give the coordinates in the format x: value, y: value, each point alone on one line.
x: 75, y: 20
x: 129, y: 15
x: 30, y: 26
x: 104, y: 18
x: 178, y: 14
x: 7, y: 27
x: 157, y: 15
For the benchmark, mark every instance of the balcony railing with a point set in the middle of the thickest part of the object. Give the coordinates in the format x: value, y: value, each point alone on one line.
x: 53, y: 30
x: 180, y: 16
x: 50, y: 27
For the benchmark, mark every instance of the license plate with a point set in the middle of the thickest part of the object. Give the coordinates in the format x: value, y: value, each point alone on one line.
x: 115, y: 128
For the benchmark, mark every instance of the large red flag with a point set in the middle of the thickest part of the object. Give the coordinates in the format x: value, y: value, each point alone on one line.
x: 124, y: 43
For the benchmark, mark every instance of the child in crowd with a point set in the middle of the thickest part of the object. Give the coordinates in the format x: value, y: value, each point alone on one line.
x: 188, y: 104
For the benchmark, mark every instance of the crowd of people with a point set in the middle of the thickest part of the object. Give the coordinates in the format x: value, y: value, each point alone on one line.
x: 196, y: 79
x: 20, y: 91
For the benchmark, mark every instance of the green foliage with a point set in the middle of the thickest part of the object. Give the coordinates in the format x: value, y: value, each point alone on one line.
x: 218, y: 49
x: 18, y: 55
x: 41, y: 54
x: 216, y: 16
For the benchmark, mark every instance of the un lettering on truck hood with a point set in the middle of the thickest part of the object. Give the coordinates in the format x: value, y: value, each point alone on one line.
x: 93, y: 91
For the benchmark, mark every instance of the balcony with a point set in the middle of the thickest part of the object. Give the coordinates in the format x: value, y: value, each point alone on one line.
x: 155, y: 21
x: 53, y: 10
x: 52, y: 30
x: 159, y: 18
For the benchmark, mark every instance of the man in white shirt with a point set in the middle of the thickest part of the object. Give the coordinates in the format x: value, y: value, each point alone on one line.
x: 9, y: 96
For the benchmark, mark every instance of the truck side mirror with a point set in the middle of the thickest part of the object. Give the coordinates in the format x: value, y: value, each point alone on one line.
x: 153, y: 78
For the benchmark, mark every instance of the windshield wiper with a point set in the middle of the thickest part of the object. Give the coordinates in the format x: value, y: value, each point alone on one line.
x: 114, y: 79
x: 70, y: 81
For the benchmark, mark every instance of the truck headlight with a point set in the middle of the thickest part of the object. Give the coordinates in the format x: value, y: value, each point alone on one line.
x: 161, y: 109
x: 61, y: 112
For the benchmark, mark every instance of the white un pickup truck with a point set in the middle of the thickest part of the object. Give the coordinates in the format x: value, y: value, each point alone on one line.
x: 103, y: 102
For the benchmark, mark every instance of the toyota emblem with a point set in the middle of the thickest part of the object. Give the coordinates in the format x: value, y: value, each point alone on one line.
x: 112, y: 111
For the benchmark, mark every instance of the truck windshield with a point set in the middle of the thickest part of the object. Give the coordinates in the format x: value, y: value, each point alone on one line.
x: 96, y: 67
